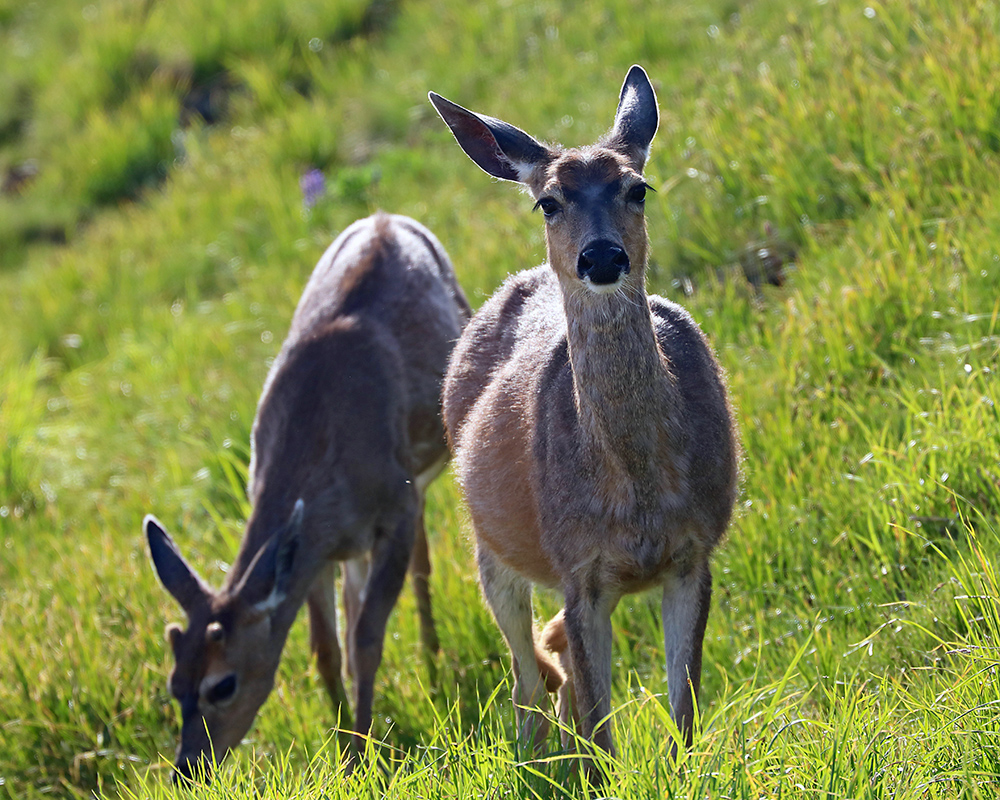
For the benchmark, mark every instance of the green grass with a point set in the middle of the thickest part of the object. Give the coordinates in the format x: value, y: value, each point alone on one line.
x: 149, y: 272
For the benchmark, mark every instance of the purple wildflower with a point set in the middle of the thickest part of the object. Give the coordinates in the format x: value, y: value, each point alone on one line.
x: 313, y: 186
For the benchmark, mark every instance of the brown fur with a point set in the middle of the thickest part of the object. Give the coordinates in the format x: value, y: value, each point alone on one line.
x: 347, y: 436
x: 551, y: 670
x: 553, y: 636
x: 590, y: 424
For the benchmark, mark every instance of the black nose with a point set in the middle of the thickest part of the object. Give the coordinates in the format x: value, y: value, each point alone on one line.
x: 187, y: 770
x: 182, y: 773
x: 602, y: 262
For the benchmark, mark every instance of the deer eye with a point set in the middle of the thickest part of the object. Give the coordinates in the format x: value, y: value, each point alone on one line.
x: 215, y: 632
x: 549, y: 206
x: 637, y: 194
x: 223, y: 690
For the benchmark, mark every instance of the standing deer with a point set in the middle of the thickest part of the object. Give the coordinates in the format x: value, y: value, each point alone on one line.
x: 590, y: 424
x: 348, y: 435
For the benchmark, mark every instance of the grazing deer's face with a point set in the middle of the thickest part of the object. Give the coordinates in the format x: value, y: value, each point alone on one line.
x: 224, y: 669
x: 593, y: 202
x: 226, y: 659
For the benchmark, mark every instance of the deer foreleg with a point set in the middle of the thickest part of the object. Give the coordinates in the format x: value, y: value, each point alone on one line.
x: 686, y: 599
x: 420, y: 573
x: 355, y: 576
x: 588, y: 632
x: 322, y: 603
x: 420, y: 569
x: 386, y: 575
x: 509, y: 597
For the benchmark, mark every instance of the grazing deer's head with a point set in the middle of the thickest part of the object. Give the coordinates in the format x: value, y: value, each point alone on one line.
x: 227, y: 657
x: 592, y: 197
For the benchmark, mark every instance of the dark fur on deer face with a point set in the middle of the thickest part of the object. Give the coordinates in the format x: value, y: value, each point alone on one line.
x: 593, y: 202
x: 227, y: 656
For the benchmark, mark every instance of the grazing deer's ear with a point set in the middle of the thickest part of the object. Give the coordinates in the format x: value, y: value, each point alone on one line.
x: 496, y: 146
x: 273, y: 564
x: 174, y: 572
x: 636, y: 119
x: 285, y: 557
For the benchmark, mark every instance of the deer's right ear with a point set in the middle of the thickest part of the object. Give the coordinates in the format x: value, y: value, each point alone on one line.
x: 636, y: 119
x: 174, y: 572
x: 275, y: 561
x: 496, y: 146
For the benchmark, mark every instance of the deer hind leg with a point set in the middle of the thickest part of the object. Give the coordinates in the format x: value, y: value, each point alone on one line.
x: 390, y: 558
x: 686, y: 599
x: 587, y: 618
x: 322, y: 603
x: 509, y: 597
x: 355, y: 576
x: 420, y: 573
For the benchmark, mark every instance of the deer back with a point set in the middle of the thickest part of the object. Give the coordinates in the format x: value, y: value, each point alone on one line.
x: 391, y: 274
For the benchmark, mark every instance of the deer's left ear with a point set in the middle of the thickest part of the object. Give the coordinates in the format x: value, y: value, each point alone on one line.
x: 174, y: 572
x: 636, y: 119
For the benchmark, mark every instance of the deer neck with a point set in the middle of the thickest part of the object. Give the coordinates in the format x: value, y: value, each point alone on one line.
x: 626, y: 398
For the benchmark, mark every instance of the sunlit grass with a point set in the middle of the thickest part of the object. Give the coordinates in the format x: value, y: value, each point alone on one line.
x: 857, y: 733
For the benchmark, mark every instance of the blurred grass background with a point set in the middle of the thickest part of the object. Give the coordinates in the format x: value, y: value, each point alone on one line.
x: 153, y: 242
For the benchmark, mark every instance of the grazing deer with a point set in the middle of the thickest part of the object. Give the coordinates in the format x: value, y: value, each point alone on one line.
x: 590, y: 424
x: 348, y: 435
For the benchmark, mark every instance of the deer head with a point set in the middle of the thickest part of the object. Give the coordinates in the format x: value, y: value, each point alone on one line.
x: 592, y: 198
x: 226, y: 658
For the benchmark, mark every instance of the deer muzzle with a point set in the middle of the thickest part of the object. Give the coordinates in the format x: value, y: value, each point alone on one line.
x: 602, y: 263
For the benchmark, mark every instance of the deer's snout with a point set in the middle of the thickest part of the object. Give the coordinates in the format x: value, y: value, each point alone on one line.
x: 193, y: 764
x: 603, y: 263
x: 187, y: 769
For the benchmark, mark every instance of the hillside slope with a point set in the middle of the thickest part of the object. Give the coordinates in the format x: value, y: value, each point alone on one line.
x: 154, y: 238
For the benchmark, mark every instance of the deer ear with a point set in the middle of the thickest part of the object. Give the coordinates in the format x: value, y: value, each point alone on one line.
x: 284, y: 558
x: 174, y: 572
x: 496, y: 146
x: 173, y: 634
x: 275, y: 562
x: 636, y: 119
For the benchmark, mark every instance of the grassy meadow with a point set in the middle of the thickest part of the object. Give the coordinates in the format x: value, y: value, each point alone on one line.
x: 154, y: 240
